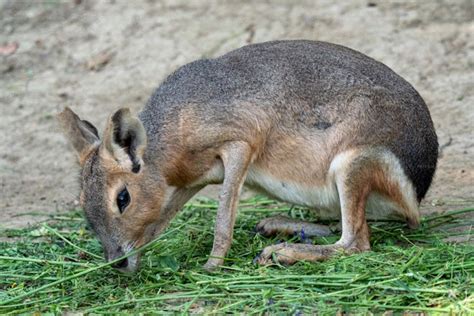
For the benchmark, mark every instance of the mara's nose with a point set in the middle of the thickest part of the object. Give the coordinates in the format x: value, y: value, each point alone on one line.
x: 122, y: 264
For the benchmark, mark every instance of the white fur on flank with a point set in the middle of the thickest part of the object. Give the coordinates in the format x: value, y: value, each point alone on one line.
x: 324, y: 197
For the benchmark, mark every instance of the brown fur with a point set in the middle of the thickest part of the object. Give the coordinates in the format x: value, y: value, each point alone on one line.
x: 284, y: 146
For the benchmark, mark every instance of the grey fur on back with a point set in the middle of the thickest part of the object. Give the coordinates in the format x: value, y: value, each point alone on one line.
x: 311, y: 85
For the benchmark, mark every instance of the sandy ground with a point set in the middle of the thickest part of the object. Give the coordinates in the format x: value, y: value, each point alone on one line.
x: 96, y: 56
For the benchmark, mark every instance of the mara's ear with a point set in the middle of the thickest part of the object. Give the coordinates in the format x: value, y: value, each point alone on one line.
x: 125, y: 140
x: 82, y: 134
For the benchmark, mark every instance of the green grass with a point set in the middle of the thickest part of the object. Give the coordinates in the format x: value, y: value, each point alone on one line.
x: 58, y: 267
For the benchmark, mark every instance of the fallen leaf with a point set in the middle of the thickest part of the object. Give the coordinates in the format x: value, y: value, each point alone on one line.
x: 99, y: 61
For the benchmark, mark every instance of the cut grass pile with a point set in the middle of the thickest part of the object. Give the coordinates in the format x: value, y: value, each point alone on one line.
x: 58, y: 267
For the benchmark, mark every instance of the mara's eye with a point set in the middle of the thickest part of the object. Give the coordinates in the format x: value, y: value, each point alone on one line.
x: 123, y: 199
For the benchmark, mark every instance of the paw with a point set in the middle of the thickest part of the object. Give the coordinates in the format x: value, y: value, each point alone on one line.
x: 286, y: 253
x: 270, y: 226
x: 281, y: 253
x: 213, y: 264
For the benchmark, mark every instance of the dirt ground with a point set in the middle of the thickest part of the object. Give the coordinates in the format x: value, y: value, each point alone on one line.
x: 96, y: 56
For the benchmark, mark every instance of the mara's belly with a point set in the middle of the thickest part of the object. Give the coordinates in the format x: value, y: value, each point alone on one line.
x: 312, y: 196
x: 323, y: 197
x: 324, y: 200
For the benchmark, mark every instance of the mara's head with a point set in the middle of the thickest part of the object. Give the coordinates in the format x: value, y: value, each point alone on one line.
x: 120, y: 198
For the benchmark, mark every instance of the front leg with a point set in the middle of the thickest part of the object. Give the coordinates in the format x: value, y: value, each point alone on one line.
x: 236, y: 158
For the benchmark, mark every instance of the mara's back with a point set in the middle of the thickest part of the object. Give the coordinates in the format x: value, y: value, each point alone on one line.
x: 327, y: 91
x: 279, y: 74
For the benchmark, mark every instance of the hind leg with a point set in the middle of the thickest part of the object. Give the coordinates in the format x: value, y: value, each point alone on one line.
x: 355, y: 233
x: 289, y: 226
x: 356, y: 175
